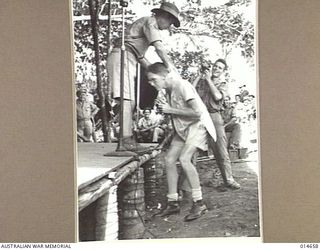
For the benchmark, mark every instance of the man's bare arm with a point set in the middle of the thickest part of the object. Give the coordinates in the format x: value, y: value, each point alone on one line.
x: 196, y: 81
x: 163, y: 54
x: 144, y: 62
x: 214, y: 91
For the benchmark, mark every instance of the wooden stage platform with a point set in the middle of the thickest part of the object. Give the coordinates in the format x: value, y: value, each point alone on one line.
x: 98, y: 178
x: 93, y: 165
x: 97, y: 173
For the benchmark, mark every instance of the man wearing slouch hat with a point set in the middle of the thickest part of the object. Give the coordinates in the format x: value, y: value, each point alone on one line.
x: 139, y: 36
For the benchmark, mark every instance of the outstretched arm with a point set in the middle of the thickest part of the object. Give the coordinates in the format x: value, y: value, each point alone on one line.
x: 163, y: 54
x: 144, y: 62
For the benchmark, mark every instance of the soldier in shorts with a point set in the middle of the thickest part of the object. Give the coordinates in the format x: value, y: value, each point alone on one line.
x: 192, y: 124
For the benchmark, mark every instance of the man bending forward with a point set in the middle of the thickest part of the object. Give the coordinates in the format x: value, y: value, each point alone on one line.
x: 192, y: 124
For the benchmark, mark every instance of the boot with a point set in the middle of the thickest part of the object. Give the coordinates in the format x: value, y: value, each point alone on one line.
x: 173, y: 207
x: 233, y: 185
x: 197, y: 210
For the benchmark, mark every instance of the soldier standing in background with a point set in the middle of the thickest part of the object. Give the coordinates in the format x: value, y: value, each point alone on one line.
x: 85, y: 113
x: 213, y: 89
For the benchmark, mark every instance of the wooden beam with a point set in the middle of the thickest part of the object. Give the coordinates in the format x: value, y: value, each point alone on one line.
x: 94, y: 191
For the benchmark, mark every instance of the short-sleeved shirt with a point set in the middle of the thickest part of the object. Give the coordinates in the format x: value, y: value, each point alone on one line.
x: 85, y: 110
x: 181, y: 93
x: 142, y: 33
x: 204, y: 92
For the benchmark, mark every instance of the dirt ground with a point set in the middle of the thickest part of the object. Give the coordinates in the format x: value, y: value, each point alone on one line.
x: 231, y: 213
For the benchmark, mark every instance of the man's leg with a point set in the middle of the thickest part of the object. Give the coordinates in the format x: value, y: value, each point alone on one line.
x: 198, y: 207
x: 150, y: 135
x: 128, y: 90
x: 157, y: 132
x: 87, y: 131
x: 172, y: 176
x: 127, y: 118
x: 188, y: 168
x: 220, y: 151
x: 235, y: 130
x: 114, y: 70
x: 94, y: 136
x: 80, y: 127
x: 171, y: 168
x: 184, y: 184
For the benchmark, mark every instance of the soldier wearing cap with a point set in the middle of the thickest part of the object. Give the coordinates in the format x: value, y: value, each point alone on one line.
x: 139, y: 36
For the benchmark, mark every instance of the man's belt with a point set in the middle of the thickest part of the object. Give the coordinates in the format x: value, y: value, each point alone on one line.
x: 130, y: 49
x: 127, y: 48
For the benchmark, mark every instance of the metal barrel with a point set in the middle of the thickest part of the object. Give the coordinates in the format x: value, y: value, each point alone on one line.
x: 155, y: 181
x: 131, y: 202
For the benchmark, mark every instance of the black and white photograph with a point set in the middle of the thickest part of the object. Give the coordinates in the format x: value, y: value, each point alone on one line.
x: 167, y: 123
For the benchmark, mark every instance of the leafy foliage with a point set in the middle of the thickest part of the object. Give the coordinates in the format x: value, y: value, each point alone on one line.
x: 239, y: 2
x: 224, y: 23
x: 188, y: 63
x: 83, y: 40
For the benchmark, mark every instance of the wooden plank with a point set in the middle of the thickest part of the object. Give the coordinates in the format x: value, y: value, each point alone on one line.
x: 93, y: 165
x: 91, y: 193
x: 93, y: 184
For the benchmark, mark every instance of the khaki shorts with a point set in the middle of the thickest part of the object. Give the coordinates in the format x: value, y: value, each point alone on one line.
x: 130, y: 72
x: 197, y: 136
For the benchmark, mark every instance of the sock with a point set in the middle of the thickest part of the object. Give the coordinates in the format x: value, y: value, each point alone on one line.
x: 172, y: 197
x: 196, y: 194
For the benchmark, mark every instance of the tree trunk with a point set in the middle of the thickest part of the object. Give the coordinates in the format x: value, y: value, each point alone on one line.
x: 93, y: 6
x: 108, y: 90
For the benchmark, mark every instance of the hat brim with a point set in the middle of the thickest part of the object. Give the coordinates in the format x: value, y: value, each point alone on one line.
x: 176, y: 22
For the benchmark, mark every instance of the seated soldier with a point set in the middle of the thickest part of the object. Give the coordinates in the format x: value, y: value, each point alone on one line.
x: 164, y: 122
x: 231, y: 125
x: 115, y: 128
x: 148, y: 129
